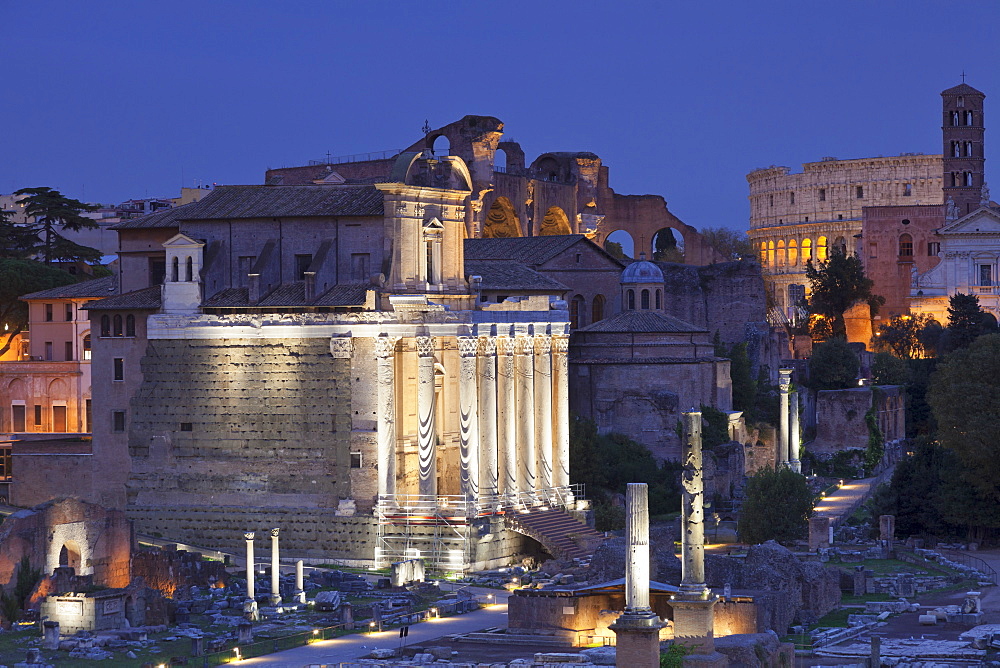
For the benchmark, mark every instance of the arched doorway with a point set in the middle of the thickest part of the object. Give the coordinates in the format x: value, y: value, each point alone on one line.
x: 501, y: 221
x: 555, y: 222
x: 619, y: 244
x: 69, y: 555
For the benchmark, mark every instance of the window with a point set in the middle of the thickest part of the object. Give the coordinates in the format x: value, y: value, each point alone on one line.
x: 658, y: 300
x: 302, y: 263
x: 187, y: 426
x: 576, y: 311
x: 189, y: 269
x: 17, y: 417
x: 86, y: 348
x: 806, y: 250
x: 821, y: 249
x: 960, y: 102
x: 68, y: 350
x: 105, y: 325
x: 968, y: 178
x: 130, y: 325
x: 38, y: 415
x: 88, y: 416
x: 859, y: 192
x: 905, y: 221
x: 119, y: 366
x: 968, y: 149
x: 905, y: 245
x: 933, y: 248
x: 175, y: 274
x: 956, y: 149
x: 796, y: 294
x: 157, y: 270
x: 118, y: 421
x: 907, y: 189
x: 873, y: 250
x: 244, y: 265
x: 630, y: 297
x: 968, y: 118
x: 48, y: 313
x: 118, y: 325
x: 791, y: 198
x: 48, y: 351
x: 840, y: 216
x: 985, y: 274
x: 500, y: 298
x: 770, y: 200
x: 355, y: 460
x: 359, y: 267
x: 644, y: 300
x: 578, y: 256
x: 822, y: 194
x: 69, y: 312
x: 597, y: 307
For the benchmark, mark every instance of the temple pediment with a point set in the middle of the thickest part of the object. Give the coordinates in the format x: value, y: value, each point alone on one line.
x: 981, y: 221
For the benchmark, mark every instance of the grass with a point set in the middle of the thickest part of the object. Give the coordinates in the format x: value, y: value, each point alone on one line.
x: 892, y: 566
x: 835, y: 618
x: 850, y: 599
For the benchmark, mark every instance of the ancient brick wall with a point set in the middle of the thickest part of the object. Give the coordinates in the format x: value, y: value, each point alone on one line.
x: 219, y: 424
x: 44, y: 472
x: 840, y: 420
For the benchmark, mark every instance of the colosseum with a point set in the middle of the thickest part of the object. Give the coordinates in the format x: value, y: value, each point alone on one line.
x: 803, y: 216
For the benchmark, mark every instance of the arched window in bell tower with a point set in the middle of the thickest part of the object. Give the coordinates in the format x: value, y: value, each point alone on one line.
x: 968, y: 118
x: 967, y: 178
x: 968, y: 149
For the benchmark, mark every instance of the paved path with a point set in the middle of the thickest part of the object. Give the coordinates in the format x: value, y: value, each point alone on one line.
x: 843, y: 501
x: 347, y: 648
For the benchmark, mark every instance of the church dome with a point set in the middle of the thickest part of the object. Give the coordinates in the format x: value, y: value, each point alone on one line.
x: 642, y: 271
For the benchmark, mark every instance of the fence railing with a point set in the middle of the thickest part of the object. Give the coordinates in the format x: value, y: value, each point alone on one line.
x: 973, y: 561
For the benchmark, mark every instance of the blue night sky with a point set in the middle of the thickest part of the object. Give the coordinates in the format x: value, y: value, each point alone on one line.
x: 114, y: 100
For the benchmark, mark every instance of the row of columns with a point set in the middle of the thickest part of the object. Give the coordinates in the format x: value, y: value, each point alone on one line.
x: 789, y: 436
x: 513, y: 412
x: 300, y: 594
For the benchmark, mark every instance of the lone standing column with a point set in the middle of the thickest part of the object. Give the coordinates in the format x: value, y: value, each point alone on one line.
x: 426, y: 433
x: 543, y: 410
x: 385, y: 347
x: 507, y: 415
x: 300, y: 591
x: 784, y: 381
x: 795, y: 436
x: 275, y: 568
x: 525, y: 402
x: 560, y: 410
x: 638, y: 627
x: 251, y: 590
x: 468, y: 399
x: 489, y: 461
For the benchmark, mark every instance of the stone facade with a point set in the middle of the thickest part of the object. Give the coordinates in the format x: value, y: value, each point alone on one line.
x: 840, y: 417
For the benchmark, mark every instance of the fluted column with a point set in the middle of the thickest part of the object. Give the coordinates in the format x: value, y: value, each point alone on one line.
x: 251, y: 584
x: 560, y: 410
x: 543, y: 410
x: 692, y: 508
x: 524, y: 387
x: 489, y: 460
x: 507, y: 415
x: 784, y: 382
x: 795, y: 435
x: 275, y: 568
x: 468, y: 406
x: 385, y: 348
x: 426, y: 432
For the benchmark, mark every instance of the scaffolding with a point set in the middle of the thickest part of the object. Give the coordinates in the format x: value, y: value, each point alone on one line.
x: 438, y: 528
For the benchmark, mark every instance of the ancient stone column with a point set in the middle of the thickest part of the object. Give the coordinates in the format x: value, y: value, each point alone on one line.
x: 694, y: 605
x: 489, y: 460
x: 275, y: 568
x: 300, y: 591
x: 784, y: 382
x: 250, y: 566
x: 543, y: 411
x: 385, y: 347
x: 506, y: 415
x: 426, y: 431
x: 795, y: 435
x: 468, y: 407
x: 524, y: 387
x: 560, y: 410
x: 638, y: 627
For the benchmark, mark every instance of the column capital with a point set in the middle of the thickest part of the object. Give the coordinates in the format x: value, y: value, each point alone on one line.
x: 248, y: 535
x: 487, y: 345
x: 425, y: 346
x: 543, y: 344
x: 385, y: 345
x: 505, y: 345
x: 523, y: 345
x: 560, y: 343
x: 275, y: 531
x: 784, y: 379
x: 341, y: 347
x: 468, y: 346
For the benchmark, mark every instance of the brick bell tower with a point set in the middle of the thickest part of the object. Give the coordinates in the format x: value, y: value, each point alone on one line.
x: 963, y: 151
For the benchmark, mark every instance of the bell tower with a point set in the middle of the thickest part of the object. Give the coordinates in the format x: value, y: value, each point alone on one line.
x: 963, y: 151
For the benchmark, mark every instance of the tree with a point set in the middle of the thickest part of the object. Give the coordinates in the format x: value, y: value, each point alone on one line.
x: 901, y: 336
x: 614, y: 249
x: 665, y: 247
x: 838, y: 284
x: 833, y: 366
x: 888, y: 369
x: 20, y: 277
x: 777, y: 506
x: 53, y: 213
x: 744, y: 386
x: 731, y: 244
x: 966, y: 321
x: 964, y: 395
x: 16, y: 241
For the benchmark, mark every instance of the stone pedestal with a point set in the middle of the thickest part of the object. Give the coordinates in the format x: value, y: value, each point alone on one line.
x: 819, y: 532
x: 638, y: 640
x: 244, y: 633
x: 197, y: 646
x: 51, y: 631
x: 887, y: 528
x: 694, y: 622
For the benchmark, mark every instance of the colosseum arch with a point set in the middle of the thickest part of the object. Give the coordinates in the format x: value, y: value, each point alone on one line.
x: 555, y: 222
x: 501, y: 221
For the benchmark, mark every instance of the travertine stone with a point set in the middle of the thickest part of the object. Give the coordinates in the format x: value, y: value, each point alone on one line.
x: 385, y: 347
x: 692, y: 508
x: 527, y: 470
x: 507, y: 415
x: 489, y: 459
x: 426, y: 434
x: 637, y: 559
x: 468, y: 406
x: 560, y: 410
x: 784, y: 382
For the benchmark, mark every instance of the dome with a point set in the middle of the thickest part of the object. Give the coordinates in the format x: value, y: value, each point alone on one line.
x: 642, y: 271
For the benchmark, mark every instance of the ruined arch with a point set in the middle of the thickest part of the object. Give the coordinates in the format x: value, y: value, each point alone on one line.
x: 501, y: 221
x: 555, y: 222
x: 440, y: 145
x: 666, y: 247
x: 624, y: 239
x: 70, y: 555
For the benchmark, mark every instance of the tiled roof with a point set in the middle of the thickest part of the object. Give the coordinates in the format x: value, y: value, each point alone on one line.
x: 961, y: 89
x: 290, y: 294
x: 98, y: 287
x: 510, y: 275
x: 228, y: 298
x: 147, y: 299
x: 642, y: 321
x: 227, y: 202
x: 352, y: 294
x: 532, y: 251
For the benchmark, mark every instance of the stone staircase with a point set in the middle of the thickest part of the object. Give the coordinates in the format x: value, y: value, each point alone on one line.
x: 564, y: 536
